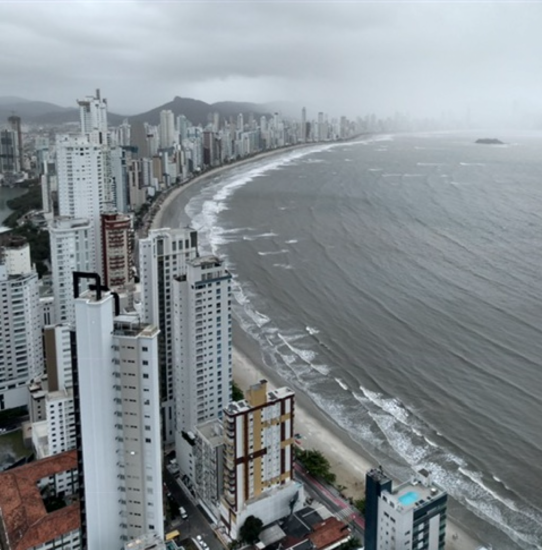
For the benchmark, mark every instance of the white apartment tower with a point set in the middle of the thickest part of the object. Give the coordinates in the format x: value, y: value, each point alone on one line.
x: 202, y: 351
x: 21, y: 349
x: 162, y: 255
x: 167, y: 129
x: 93, y: 117
x: 258, y: 458
x: 73, y: 248
x: 410, y: 516
x: 117, y: 399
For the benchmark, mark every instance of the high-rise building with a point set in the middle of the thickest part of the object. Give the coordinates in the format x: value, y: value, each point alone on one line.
x: 72, y: 249
x: 202, y: 351
x: 258, y: 458
x: 21, y: 348
x: 410, y: 516
x: 117, y: 410
x: 117, y: 249
x: 303, y: 133
x: 162, y: 255
x: 167, y: 129
x: 15, y: 124
x: 84, y: 188
x: 51, y: 403
x: 9, y: 153
x: 93, y: 117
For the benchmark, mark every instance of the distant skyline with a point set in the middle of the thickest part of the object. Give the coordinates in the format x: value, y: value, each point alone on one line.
x: 425, y: 58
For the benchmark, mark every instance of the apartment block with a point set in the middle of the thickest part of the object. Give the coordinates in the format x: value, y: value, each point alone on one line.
x: 163, y: 255
x: 258, y: 458
x: 21, y: 348
x: 117, y: 412
x: 410, y: 516
x: 202, y: 351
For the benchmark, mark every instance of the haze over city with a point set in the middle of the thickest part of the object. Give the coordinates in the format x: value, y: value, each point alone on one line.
x: 419, y: 58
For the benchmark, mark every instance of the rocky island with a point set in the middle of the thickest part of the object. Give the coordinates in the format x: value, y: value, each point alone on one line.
x: 489, y: 141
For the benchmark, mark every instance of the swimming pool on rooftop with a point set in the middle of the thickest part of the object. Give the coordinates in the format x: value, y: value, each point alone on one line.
x: 408, y: 498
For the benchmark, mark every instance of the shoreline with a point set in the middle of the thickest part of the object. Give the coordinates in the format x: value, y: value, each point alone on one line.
x: 348, y: 459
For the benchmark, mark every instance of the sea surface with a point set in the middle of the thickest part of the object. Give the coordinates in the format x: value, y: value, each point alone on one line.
x: 7, y: 193
x: 397, y: 281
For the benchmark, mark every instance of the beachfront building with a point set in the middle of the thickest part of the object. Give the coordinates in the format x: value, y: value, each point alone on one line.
x: 202, y: 352
x: 117, y: 413
x: 411, y: 516
x: 29, y: 505
x: 258, y: 459
x: 21, y: 349
x: 72, y: 249
x: 162, y: 255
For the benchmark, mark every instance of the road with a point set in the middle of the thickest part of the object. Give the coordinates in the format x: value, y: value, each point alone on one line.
x: 331, y: 498
x: 197, y: 522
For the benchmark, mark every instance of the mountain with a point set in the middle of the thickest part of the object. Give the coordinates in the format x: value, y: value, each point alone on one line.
x: 8, y: 99
x: 29, y: 111
x: 198, y: 112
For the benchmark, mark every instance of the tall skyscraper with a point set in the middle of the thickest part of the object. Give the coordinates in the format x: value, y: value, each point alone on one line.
x: 162, y: 255
x: 72, y: 249
x: 303, y: 133
x: 410, y: 516
x: 15, y: 124
x: 167, y: 129
x: 117, y: 409
x: 93, y: 117
x: 117, y: 249
x: 9, y: 153
x: 258, y: 458
x: 202, y: 350
x: 21, y: 348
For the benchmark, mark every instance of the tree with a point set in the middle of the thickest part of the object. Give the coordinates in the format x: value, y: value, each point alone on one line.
x: 360, y: 505
x: 236, y: 392
x: 251, y: 530
x: 316, y: 464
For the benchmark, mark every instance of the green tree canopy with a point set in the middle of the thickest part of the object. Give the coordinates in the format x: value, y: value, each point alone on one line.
x: 251, y: 530
x: 236, y: 392
x: 316, y: 464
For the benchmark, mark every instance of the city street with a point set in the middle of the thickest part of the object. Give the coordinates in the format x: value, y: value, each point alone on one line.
x: 331, y: 498
x: 197, y: 522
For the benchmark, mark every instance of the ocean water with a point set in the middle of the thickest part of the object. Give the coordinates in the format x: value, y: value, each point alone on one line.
x: 397, y: 282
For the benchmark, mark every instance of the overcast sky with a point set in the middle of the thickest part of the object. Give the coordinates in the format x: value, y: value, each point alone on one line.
x: 420, y: 58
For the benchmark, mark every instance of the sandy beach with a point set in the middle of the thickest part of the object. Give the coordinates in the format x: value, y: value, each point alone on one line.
x: 348, y: 460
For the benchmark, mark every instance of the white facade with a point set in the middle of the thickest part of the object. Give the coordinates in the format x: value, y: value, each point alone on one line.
x: 72, y: 249
x: 167, y: 129
x: 84, y: 183
x: 120, y: 424
x: 162, y: 255
x: 57, y: 433
x: 202, y: 350
x: 93, y: 116
x: 16, y: 258
x: 21, y: 348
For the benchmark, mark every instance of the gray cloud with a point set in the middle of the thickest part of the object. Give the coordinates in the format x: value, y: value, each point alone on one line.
x: 423, y: 58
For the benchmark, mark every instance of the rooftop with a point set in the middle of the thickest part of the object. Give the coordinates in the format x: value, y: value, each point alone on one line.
x: 412, y: 494
x: 25, y: 521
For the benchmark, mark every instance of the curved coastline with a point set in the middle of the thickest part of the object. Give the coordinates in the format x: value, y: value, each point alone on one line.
x: 348, y: 459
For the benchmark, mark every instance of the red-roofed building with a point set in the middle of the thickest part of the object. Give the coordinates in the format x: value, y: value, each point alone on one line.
x: 329, y: 534
x: 25, y: 494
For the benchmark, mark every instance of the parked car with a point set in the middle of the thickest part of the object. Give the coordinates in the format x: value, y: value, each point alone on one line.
x: 183, y: 513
